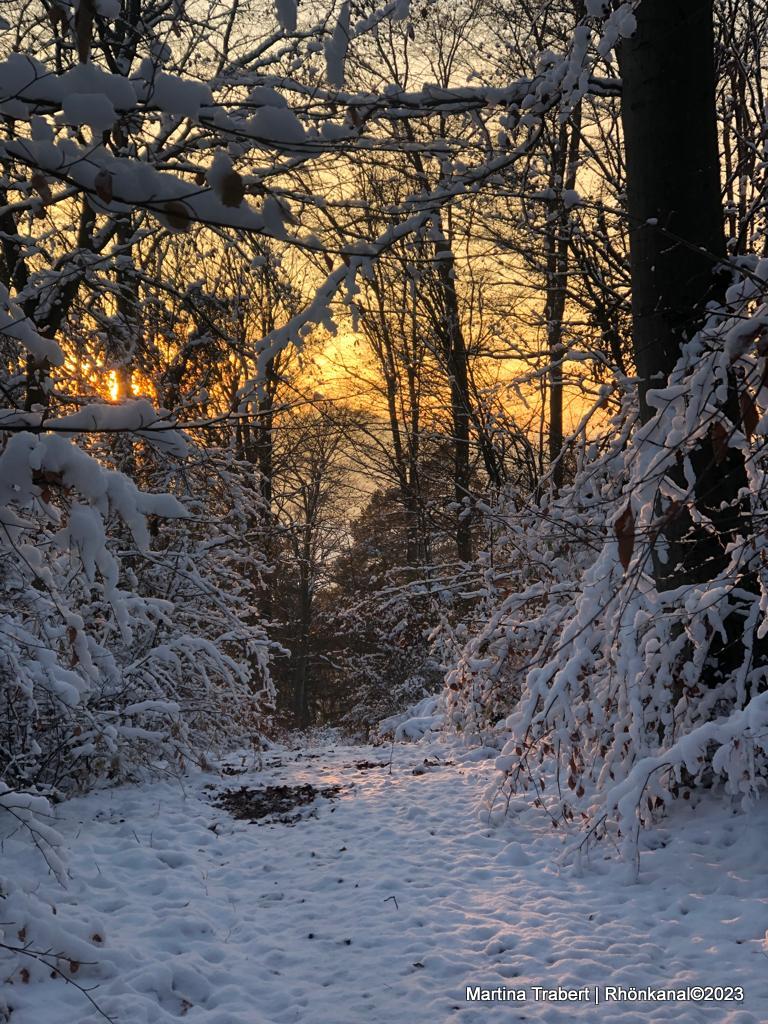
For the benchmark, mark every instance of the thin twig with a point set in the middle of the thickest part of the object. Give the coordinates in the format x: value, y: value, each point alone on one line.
x: 36, y: 954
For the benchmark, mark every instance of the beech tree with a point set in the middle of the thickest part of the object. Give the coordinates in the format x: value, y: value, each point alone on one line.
x: 677, y: 246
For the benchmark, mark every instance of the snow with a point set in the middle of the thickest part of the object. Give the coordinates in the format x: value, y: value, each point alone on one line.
x: 277, y: 124
x: 336, y: 48
x: 91, y: 108
x: 108, y: 8
x: 401, y: 11
x: 171, y: 93
x: 286, y: 14
x: 136, y: 415
x: 380, y: 906
x: 413, y: 723
x: 14, y: 324
x: 620, y: 24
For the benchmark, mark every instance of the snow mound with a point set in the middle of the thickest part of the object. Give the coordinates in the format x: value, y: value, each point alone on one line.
x: 415, y: 722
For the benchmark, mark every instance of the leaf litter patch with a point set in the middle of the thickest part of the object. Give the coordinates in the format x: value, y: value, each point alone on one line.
x: 275, y: 803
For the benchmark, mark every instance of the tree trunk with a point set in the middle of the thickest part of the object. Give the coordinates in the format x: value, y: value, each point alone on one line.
x: 673, y: 171
x: 301, y: 649
x: 455, y: 351
x: 558, y: 246
x: 457, y: 364
x: 128, y: 327
x: 676, y: 244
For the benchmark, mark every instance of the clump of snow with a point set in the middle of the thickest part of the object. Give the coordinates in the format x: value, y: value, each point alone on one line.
x: 414, y: 722
x: 108, y: 8
x: 277, y: 124
x: 171, y: 93
x: 14, y: 324
x: 137, y: 416
x: 336, y: 48
x: 286, y: 14
x: 620, y: 24
x: 93, y: 109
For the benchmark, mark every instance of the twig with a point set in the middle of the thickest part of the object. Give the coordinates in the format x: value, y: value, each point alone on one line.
x: 36, y: 954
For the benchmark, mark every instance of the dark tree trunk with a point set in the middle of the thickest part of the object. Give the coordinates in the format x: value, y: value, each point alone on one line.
x: 558, y: 249
x: 677, y: 243
x: 452, y: 339
x: 301, y: 648
x: 456, y: 359
x: 265, y: 424
x: 673, y: 172
x: 128, y: 318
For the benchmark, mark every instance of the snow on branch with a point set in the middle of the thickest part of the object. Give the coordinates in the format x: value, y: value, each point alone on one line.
x: 16, y: 325
x: 727, y: 744
x: 608, y: 709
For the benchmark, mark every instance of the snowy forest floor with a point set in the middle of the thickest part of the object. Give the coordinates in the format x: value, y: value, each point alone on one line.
x: 382, y: 903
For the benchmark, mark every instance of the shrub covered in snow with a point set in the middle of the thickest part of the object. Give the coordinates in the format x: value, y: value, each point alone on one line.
x: 130, y: 620
x: 608, y: 695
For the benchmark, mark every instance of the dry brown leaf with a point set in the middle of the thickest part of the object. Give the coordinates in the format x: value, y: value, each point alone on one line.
x: 41, y: 186
x: 719, y: 438
x: 625, y: 535
x: 176, y: 216
x: 749, y: 414
x: 103, y: 185
x: 231, y: 190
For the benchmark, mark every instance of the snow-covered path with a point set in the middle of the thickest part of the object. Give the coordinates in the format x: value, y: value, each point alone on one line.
x: 384, y: 905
